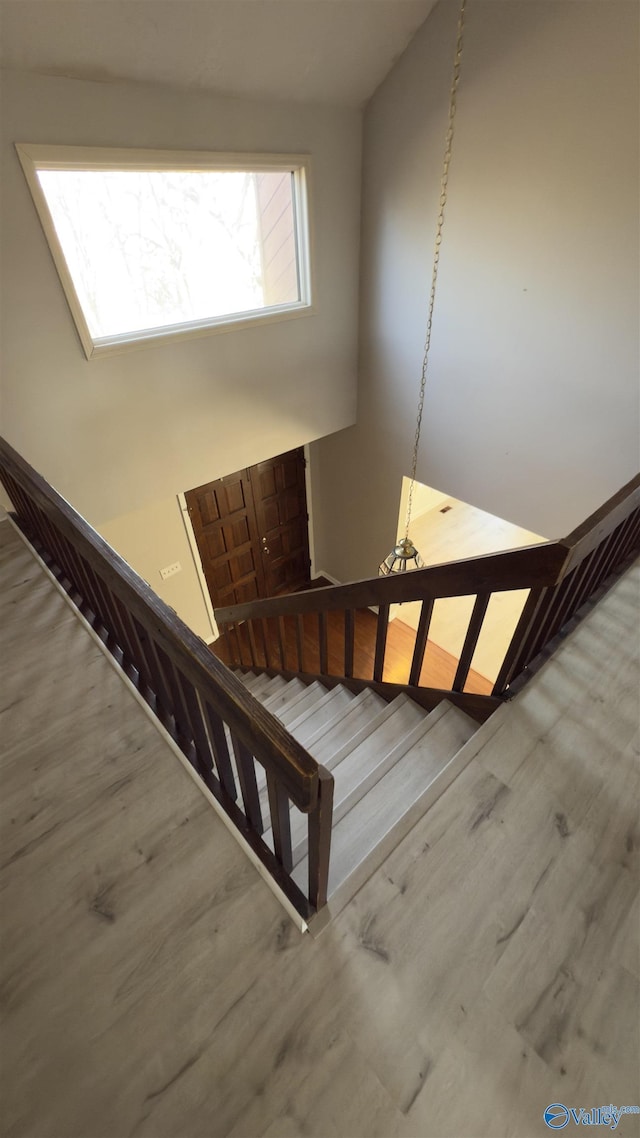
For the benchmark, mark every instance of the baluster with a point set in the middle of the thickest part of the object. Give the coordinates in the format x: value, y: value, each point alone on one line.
x: 320, y: 825
x: 265, y: 640
x: 24, y: 506
x: 62, y: 556
x: 198, y: 727
x: 349, y: 623
x: 591, y: 578
x: 248, y: 786
x: 634, y: 535
x: 89, y: 595
x: 300, y: 641
x: 120, y: 635
x: 169, y: 679
x: 235, y: 650
x: 280, y: 822
x: 525, y: 655
x: 80, y: 579
x: 617, y: 554
x: 52, y: 543
x: 514, y: 651
x: 164, y: 696
x: 68, y: 563
x: 148, y: 669
x: 258, y: 642
x: 132, y: 647
x: 561, y: 602
x: 322, y: 643
x: 605, y: 559
x: 281, y: 642
x: 129, y: 647
x: 567, y: 598
x: 96, y: 600
x: 253, y: 649
x: 422, y: 636
x: 56, y: 547
x: 108, y: 615
x: 381, y: 642
x: 222, y: 757
x: 15, y: 492
x: 32, y: 514
x: 471, y: 640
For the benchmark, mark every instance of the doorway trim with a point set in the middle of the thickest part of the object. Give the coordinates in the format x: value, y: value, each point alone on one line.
x: 195, y: 553
x: 307, y: 479
x: 193, y: 545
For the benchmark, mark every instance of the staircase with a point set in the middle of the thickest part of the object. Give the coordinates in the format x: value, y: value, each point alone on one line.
x: 316, y: 759
x: 389, y: 762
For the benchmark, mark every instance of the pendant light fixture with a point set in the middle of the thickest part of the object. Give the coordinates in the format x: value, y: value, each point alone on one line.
x: 404, y: 556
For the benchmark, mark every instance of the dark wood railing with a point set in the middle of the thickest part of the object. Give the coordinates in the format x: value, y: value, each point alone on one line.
x: 221, y: 729
x: 561, y: 577
x: 594, y: 555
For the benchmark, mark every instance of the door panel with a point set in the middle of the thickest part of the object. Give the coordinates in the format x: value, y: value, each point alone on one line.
x: 251, y: 529
x: 280, y: 498
x: 223, y: 518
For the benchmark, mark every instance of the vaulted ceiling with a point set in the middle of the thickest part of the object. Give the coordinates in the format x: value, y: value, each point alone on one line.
x: 314, y: 51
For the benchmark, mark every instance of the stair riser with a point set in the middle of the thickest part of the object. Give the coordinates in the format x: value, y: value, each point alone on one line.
x: 352, y: 784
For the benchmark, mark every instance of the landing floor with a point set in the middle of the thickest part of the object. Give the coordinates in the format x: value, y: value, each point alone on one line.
x: 152, y: 986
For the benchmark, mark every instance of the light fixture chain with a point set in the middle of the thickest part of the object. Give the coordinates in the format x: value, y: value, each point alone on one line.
x: 444, y: 185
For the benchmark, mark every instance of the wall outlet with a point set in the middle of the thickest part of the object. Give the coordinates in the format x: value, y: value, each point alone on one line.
x: 169, y: 570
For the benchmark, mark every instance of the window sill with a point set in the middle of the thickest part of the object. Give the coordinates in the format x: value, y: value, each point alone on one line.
x: 152, y: 337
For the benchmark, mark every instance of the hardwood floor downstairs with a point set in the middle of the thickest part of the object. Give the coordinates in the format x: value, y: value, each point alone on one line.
x: 152, y: 986
x: 438, y: 669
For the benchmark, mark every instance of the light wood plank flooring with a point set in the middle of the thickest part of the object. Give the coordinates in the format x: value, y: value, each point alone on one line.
x: 452, y: 530
x: 152, y: 986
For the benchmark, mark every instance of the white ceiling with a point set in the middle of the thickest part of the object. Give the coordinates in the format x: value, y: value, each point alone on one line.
x: 325, y: 51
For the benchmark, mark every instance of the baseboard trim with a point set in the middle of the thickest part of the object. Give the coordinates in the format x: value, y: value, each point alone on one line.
x: 329, y: 576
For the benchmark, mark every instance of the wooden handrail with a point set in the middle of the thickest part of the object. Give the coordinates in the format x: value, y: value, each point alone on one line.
x: 522, y: 568
x: 219, y: 726
x: 590, y: 533
x: 258, y: 730
x: 560, y: 576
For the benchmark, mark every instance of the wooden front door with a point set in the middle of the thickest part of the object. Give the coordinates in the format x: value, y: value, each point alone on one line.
x: 251, y: 529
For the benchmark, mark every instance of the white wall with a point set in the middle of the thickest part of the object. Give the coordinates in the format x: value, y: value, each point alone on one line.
x: 532, y: 401
x: 122, y: 435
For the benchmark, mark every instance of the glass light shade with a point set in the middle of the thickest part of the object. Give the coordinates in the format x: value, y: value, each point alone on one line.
x: 403, y: 557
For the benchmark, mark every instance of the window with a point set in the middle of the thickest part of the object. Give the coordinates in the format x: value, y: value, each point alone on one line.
x: 151, y: 244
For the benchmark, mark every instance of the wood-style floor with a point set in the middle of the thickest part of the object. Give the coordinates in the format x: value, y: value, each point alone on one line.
x: 438, y: 669
x: 152, y: 986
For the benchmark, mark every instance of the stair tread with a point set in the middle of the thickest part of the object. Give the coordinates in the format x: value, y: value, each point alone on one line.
x: 334, y: 734
x: 395, y: 718
x: 282, y: 696
x: 307, y: 725
x: 357, y: 834
x: 266, y: 686
x: 290, y: 701
x: 367, y: 763
x: 311, y: 695
x: 251, y: 680
x: 430, y: 741
x: 383, y: 757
